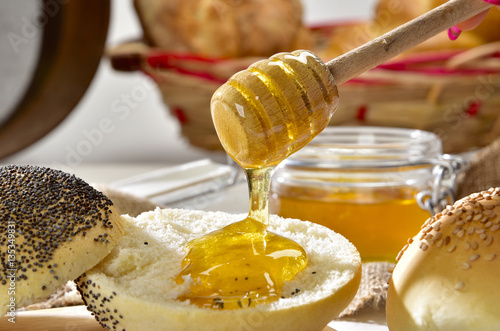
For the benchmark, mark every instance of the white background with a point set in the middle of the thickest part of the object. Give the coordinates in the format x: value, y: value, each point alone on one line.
x: 147, y: 133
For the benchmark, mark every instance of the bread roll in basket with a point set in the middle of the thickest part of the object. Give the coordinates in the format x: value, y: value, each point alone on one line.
x: 447, y: 87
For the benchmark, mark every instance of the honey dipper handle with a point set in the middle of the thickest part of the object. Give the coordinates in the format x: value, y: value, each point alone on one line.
x: 387, y: 46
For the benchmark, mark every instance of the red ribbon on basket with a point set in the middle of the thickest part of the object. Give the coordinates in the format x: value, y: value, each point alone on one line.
x: 176, y: 62
x: 431, y: 63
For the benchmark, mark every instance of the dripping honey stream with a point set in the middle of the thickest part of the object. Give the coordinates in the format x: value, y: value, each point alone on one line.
x: 242, y: 264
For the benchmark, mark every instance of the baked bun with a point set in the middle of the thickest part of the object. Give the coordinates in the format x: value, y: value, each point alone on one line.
x: 390, y: 14
x: 53, y: 227
x: 224, y: 28
x: 448, y: 277
x: 133, y: 288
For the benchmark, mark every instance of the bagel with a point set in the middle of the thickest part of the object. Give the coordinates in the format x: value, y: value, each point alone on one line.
x: 133, y: 288
x: 447, y: 278
x: 53, y: 227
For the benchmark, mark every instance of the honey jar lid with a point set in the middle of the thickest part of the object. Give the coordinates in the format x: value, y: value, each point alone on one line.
x: 368, y: 147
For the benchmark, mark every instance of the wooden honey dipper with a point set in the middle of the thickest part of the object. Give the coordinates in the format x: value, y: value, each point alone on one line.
x: 276, y: 106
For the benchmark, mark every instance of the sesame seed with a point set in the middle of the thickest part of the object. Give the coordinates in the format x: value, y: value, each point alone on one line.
x: 400, y: 254
x: 465, y: 265
x: 490, y: 256
x: 477, y: 217
x: 473, y: 257
x: 459, y: 286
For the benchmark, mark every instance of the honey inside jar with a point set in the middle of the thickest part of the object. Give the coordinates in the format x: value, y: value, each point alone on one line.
x: 377, y: 221
x: 259, y: 121
x: 362, y: 182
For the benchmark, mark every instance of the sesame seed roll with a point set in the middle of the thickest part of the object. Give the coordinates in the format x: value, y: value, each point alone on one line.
x: 448, y: 276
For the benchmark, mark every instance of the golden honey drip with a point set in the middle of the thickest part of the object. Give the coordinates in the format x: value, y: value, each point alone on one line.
x: 261, y: 115
x: 240, y: 266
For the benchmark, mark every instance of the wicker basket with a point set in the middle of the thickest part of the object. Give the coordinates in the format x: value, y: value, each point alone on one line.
x: 456, y: 95
x: 187, y: 83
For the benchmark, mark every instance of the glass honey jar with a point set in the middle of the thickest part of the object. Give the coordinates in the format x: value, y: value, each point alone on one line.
x: 375, y: 186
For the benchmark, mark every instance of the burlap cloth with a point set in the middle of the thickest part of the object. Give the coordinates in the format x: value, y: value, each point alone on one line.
x: 482, y: 173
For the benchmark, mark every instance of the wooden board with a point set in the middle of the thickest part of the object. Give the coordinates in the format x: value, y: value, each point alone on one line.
x: 75, y: 318
x: 55, y: 319
x: 71, y: 48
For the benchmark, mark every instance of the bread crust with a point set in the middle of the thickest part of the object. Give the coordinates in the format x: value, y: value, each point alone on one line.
x: 447, y: 278
x: 53, y: 227
x: 224, y: 28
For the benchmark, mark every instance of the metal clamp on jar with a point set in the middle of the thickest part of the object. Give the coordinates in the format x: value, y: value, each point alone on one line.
x: 376, y: 186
